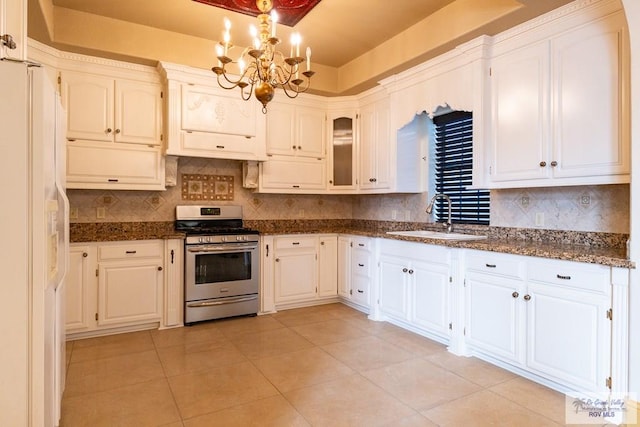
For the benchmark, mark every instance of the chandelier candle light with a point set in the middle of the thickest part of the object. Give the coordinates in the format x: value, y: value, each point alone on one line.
x: 261, y: 65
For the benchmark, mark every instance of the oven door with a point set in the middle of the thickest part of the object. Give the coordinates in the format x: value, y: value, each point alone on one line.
x: 221, y: 270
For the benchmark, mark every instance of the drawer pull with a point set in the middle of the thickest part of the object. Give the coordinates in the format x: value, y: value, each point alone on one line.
x: 112, y: 180
x: 559, y: 276
x: 295, y: 243
x: 361, y: 244
x: 490, y: 265
x: 515, y: 295
x: 360, y: 291
x: 131, y: 252
x: 360, y: 265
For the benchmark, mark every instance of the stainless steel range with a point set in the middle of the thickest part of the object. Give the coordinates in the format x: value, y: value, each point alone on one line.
x: 222, y: 263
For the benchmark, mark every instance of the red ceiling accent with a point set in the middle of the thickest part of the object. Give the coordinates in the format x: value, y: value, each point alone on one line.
x: 290, y: 12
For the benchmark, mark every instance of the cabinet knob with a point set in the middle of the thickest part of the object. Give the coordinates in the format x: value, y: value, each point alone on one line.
x: 117, y: 130
x: 515, y: 295
x: 108, y: 130
x: 554, y: 163
x: 330, y: 181
x: 160, y: 268
x: 84, y: 254
x: 299, y: 147
x: 543, y: 164
x: 527, y: 297
x: 321, y: 243
x: 294, y: 147
x: 404, y: 270
x: 410, y: 271
x: 277, y: 259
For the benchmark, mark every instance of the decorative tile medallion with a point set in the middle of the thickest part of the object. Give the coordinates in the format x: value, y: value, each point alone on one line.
x: 207, y: 187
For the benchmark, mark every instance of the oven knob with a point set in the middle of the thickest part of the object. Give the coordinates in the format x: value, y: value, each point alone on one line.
x: 239, y: 238
x: 201, y: 239
x: 224, y: 238
x: 209, y: 239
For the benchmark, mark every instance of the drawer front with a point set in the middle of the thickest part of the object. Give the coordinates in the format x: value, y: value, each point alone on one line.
x: 498, y: 264
x: 360, y: 262
x: 589, y: 277
x: 133, y: 250
x: 364, y: 244
x: 294, y: 242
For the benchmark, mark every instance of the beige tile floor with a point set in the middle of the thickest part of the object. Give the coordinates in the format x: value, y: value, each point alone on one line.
x: 318, y: 366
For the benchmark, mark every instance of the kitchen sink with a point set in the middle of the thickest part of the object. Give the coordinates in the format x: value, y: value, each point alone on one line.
x: 429, y: 234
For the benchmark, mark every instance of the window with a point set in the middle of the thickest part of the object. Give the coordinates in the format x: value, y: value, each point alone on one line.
x: 453, y: 160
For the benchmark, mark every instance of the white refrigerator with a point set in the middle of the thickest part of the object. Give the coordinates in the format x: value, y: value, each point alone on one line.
x: 34, y: 236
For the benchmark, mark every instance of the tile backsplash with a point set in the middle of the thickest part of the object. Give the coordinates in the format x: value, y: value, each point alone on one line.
x: 582, y: 208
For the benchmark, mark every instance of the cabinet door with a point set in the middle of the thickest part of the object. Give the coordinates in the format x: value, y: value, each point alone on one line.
x: 174, y: 282
x: 280, y: 129
x: 328, y: 266
x: 138, y: 109
x: 520, y: 114
x: 88, y: 101
x: 310, y: 135
x: 114, y: 166
x: 293, y: 174
x: 375, y: 159
x: 494, y: 321
x: 394, y: 278
x: 344, y: 266
x: 296, y: 275
x: 430, y: 297
x: 568, y: 336
x: 13, y: 22
x: 341, y: 152
x: 209, y: 109
x: 129, y: 292
x: 589, y: 97
x: 79, y: 290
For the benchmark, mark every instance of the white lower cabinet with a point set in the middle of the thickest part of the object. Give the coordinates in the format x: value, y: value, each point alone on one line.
x: 115, y: 286
x: 304, y: 269
x: 548, y: 317
x: 414, y: 281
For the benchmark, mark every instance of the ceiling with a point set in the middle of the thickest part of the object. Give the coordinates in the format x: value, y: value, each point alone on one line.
x: 337, y: 30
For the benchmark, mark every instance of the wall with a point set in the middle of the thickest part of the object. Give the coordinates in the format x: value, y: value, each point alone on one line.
x: 127, y: 206
x: 562, y: 207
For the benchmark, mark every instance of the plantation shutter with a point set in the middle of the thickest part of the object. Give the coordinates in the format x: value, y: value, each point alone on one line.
x: 454, y: 167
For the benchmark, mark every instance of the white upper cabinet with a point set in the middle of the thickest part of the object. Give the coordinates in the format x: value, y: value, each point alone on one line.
x: 13, y: 29
x: 101, y: 108
x: 342, y: 128
x: 375, y: 146
x: 559, y: 113
x: 296, y: 130
x: 204, y: 120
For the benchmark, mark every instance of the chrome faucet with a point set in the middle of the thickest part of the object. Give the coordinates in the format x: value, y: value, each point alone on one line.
x: 429, y: 210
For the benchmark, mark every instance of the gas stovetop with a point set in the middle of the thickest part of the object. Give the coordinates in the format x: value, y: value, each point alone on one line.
x: 211, y: 221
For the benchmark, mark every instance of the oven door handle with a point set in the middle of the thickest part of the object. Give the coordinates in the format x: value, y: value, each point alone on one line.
x: 223, y: 302
x: 222, y: 248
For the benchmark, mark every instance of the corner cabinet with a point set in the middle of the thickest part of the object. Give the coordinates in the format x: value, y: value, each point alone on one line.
x: 301, y: 270
x: 204, y: 120
x: 552, y: 99
x: 113, y: 128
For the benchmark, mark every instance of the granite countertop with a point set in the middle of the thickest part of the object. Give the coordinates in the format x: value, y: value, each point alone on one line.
x: 596, y: 248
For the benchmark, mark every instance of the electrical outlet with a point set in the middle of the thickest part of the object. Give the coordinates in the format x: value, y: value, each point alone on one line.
x: 539, y: 219
x: 101, y: 212
x: 585, y: 200
x: 73, y: 213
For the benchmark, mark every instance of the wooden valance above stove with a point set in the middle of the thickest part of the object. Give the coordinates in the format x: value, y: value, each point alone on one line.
x: 290, y: 12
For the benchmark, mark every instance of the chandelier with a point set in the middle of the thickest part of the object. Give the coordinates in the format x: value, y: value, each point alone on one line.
x: 262, y: 67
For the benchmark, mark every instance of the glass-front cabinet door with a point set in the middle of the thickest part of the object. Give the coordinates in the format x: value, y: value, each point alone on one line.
x: 342, y: 150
